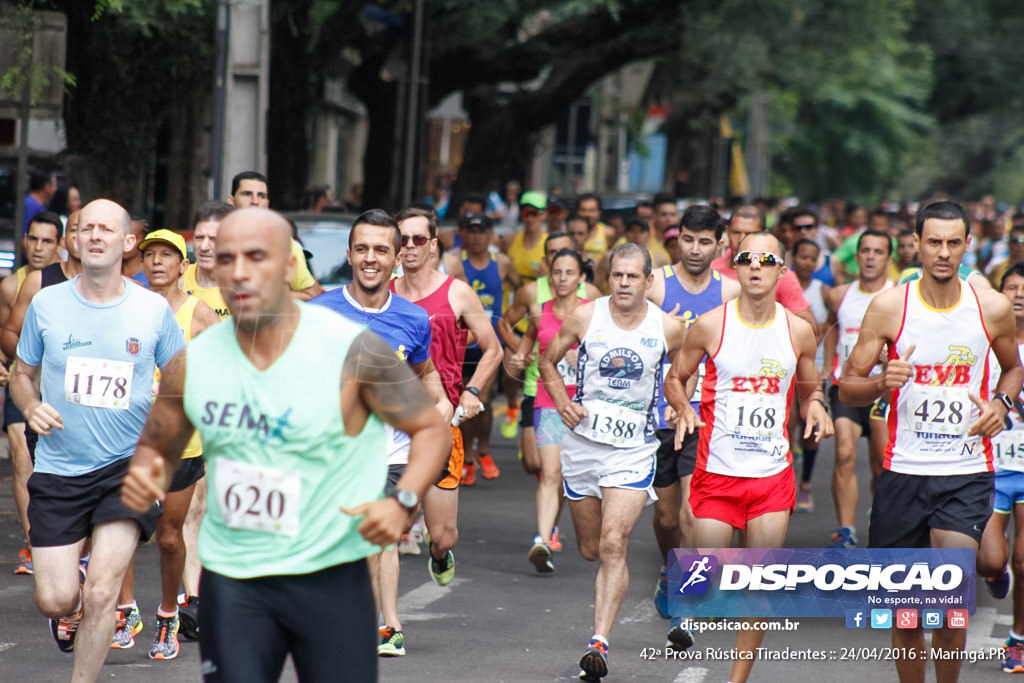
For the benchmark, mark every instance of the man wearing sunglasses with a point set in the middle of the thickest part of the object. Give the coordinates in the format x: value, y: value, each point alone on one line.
x: 453, y: 309
x: 806, y: 226
x: 747, y: 220
x: 744, y: 476
x: 936, y: 486
x: 847, y: 304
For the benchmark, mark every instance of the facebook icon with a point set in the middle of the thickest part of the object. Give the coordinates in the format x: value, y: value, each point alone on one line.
x: 855, y: 618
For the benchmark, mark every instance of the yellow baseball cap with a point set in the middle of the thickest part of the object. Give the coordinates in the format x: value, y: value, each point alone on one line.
x: 168, y: 236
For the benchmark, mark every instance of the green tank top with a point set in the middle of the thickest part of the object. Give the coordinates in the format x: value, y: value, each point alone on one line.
x: 278, y: 460
x: 532, y: 374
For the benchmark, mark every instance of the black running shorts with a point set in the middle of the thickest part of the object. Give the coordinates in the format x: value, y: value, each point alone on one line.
x: 189, y: 472
x: 11, y: 413
x: 860, y: 415
x: 907, y: 507
x: 63, y: 510
x: 324, y: 620
x: 673, y: 465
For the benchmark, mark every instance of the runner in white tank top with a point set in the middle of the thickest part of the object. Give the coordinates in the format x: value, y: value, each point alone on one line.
x: 936, y: 486
x: 608, y: 457
x: 847, y: 305
x: 759, y: 354
x: 1008, y: 452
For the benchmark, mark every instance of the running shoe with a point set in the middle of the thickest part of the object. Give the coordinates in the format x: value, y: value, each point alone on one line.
x: 24, y: 562
x: 392, y: 642
x: 661, y: 595
x: 188, y: 616
x: 1013, y: 657
x: 540, y: 557
x: 129, y: 624
x: 594, y: 662
x: 556, y: 542
x: 65, y: 629
x: 468, y: 475
x: 487, y: 467
x: 510, y: 423
x: 804, y: 499
x: 407, y: 546
x: 843, y: 537
x: 442, y: 571
x: 679, y: 638
x: 165, y: 643
x: 999, y: 587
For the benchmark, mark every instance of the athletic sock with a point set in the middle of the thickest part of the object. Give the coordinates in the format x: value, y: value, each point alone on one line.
x: 1016, y: 636
x: 129, y: 605
x: 164, y: 615
x: 598, y: 636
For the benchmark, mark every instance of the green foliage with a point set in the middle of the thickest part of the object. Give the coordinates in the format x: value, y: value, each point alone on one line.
x: 19, y: 26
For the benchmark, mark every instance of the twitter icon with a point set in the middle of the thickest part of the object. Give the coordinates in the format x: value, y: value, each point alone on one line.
x: 881, y: 618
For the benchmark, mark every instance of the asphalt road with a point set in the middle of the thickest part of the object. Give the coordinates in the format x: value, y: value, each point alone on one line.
x: 500, y: 620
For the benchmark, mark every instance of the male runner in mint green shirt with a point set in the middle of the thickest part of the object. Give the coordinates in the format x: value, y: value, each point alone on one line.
x: 289, y: 402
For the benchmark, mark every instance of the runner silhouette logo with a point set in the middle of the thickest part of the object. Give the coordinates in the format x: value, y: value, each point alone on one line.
x: 697, y: 577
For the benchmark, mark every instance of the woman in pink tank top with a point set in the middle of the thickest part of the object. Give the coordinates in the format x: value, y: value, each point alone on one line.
x: 545, y: 322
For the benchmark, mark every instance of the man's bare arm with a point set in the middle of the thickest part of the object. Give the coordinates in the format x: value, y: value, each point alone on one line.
x: 857, y: 387
x: 203, y: 317
x: 686, y: 361
x: 469, y: 309
x: 12, y: 328
x: 387, y: 387
x: 164, y: 437
x: 525, y: 295
x: 569, y: 334
x: 431, y: 379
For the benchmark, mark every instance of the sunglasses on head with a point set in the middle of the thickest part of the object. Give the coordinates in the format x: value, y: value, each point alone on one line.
x: 418, y: 240
x: 765, y: 258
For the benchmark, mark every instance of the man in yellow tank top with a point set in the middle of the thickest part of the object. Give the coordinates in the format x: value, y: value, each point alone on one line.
x: 527, y: 248
x: 199, y: 279
x: 40, y: 248
x: 164, y: 260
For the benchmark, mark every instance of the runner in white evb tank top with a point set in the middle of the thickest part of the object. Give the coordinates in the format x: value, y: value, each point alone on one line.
x: 747, y: 392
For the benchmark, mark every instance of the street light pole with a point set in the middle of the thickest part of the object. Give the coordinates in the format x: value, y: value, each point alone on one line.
x: 412, y: 123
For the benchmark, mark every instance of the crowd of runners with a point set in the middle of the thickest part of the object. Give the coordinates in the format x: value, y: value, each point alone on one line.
x: 688, y: 360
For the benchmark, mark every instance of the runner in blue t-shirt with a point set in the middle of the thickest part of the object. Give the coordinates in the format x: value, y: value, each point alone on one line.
x: 373, y: 246
x: 98, y: 339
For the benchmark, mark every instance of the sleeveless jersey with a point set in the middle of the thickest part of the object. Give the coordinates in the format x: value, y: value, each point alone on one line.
x: 849, y: 316
x: 596, y: 246
x: 406, y: 329
x: 527, y: 261
x: 1008, y: 445
x: 21, y: 274
x: 211, y: 295
x: 691, y: 306
x: 52, y: 274
x: 931, y: 413
x: 618, y: 373
x: 279, y: 461
x: 819, y: 310
x: 531, y: 374
x: 547, y: 330
x: 748, y: 389
x: 487, y: 284
x: 185, y: 315
x: 448, y: 339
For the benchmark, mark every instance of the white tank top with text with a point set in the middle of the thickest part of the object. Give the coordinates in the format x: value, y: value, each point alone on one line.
x: 932, y: 412
x: 618, y: 374
x: 748, y: 388
x: 849, y: 316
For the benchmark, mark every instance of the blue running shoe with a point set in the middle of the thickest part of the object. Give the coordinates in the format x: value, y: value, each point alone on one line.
x: 594, y: 662
x: 661, y: 596
x: 843, y: 537
x: 999, y: 587
x: 1013, y: 659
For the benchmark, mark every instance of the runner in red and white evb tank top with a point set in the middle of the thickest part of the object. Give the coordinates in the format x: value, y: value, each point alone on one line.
x: 932, y: 412
x: 746, y: 395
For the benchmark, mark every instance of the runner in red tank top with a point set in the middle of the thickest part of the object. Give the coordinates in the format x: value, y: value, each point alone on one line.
x: 454, y: 309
